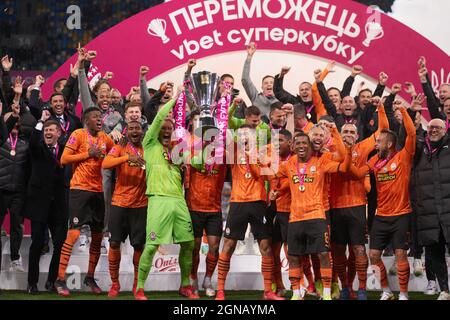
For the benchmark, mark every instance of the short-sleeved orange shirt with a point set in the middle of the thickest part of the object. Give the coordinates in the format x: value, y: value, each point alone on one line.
x: 129, y: 191
x: 392, y: 180
x: 307, y: 205
x: 246, y: 189
x: 346, y: 191
x: 87, y: 174
x: 205, y: 190
x: 284, y: 192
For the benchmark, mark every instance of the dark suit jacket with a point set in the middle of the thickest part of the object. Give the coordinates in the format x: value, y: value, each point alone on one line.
x: 46, y: 183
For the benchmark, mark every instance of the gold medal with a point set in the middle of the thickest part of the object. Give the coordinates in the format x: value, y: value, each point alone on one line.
x: 248, y: 175
x: 302, y: 188
x: 12, y: 152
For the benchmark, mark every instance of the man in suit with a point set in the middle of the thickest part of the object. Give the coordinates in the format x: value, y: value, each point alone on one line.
x: 46, y: 198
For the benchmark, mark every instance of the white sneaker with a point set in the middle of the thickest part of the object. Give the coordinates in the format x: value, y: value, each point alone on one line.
x: 431, y: 288
x: 209, y: 290
x: 387, y: 295
x: 403, y: 296
x: 84, y: 242
x: 418, y: 267
x: 444, y: 296
x: 393, y: 268
x: 103, y: 249
x: 240, y: 248
x: 16, y: 266
x: 255, y: 248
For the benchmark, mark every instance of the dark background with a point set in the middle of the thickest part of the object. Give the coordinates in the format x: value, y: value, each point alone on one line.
x: 34, y: 33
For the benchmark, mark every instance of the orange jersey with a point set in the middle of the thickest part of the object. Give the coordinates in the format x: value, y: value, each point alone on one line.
x: 334, y: 152
x: 245, y: 189
x: 346, y: 190
x: 308, y: 204
x: 205, y: 190
x: 308, y: 127
x: 129, y: 191
x: 87, y: 174
x: 284, y: 192
x: 392, y: 175
x: 392, y: 181
x: 317, y: 100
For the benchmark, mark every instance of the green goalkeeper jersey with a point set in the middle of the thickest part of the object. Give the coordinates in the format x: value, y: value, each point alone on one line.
x: 163, y: 177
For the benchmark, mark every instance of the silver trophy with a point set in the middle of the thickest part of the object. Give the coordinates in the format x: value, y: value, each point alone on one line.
x: 205, y: 85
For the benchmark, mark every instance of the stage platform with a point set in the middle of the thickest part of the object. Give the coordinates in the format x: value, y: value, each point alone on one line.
x: 165, y: 275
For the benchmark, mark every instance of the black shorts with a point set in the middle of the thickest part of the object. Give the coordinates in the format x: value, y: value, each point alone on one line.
x: 86, y: 208
x: 348, y: 226
x: 243, y: 213
x: 394, y: 230
x: 124, y: 222
x: 280, y: 227
x: 327, y: 216
x: 308, y: 237
x: 211, y: 222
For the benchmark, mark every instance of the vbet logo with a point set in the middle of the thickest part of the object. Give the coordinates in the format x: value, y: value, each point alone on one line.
x: 311, y: 14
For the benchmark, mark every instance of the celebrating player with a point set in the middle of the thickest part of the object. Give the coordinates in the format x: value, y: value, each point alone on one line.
x: 392, y: 170
x: 85, y: 149
x: 129, y: 203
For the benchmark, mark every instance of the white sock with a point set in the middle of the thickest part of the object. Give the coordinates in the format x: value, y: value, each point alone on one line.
x: 296, y: 292
x: 207, y: 282
x: 326, y: 291
x: 387, y: 290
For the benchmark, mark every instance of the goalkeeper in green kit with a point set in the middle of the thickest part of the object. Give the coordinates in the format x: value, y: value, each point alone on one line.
x: 168, y: 218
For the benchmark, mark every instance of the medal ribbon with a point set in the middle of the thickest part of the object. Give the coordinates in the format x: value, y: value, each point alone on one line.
x: 222, y: 122
x: 13, y: 140
x: 381, y: 164
x: 301, y: 176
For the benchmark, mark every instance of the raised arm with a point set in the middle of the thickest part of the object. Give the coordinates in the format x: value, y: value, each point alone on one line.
x: 233, y: 122
x: 339, y: 154
x: 279, y: 91
x: 410, y: 144
x: 85, y: 94
x: 145, y: 96
x: 382, y: 80
x: 329, y: 105
x: 335, y: 166
x: 432, y: 102
x: 319, y: 106
x: 6, y: 64
x: 348, y: 84
x: 247, y: 82
x: 155, y: 128
x: 35, y: 139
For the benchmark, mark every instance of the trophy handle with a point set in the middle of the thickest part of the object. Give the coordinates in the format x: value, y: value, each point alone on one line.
x: 150, y: 32
x: 367, y: 27
x: 380, y: 35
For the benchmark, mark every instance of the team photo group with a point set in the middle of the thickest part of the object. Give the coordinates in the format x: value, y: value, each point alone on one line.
x: 329, y: 180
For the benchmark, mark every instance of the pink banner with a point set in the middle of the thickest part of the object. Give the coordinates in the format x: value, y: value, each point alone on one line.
x: 345, y: 31
x: 222, y: 122
x: 180, y: 116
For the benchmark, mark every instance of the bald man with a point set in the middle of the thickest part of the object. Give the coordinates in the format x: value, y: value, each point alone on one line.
x: 432, y: 186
